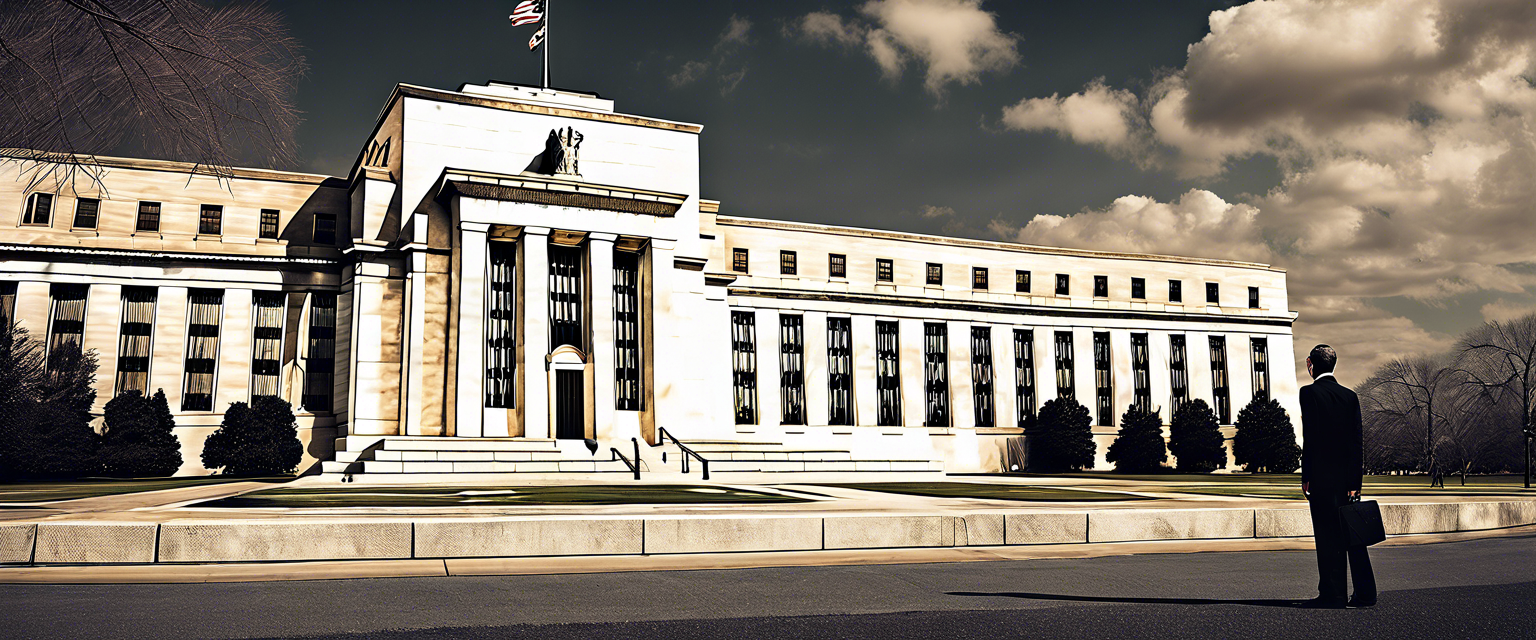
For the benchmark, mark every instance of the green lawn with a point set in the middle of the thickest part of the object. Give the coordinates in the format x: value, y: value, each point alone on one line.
x: 985, y: 491
x: 416, y: 496
x: 1288, y: 486
x: 50, y: 491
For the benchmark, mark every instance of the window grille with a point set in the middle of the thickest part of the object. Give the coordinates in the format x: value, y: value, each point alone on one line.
x: 325, y: 228
x: 321, y: 358
x: 1220, y: 390
x: 1024, y: 372
x: 739, y: 260
x: 979, y: 278
x: 269, y: 223
x: 267, y: 343
x: 1138, y: 288
x: 935, y: 274
x: 87, y: 213
x: 839, y: 371
x: 565, y: 298
x: 501, y: 326
x: 205, y: 309
x: 888, y: 371
x: 982, y: 377
x: 134, y: 340
x: 1065, y: 374
x: 1021, y: 281
x: 1253, y: 297
x: 1063, y: 284
x: 1141, y: 372
x: 1260, y: 348
x: 626, y: 330
x: 792, y: 368
x: 744, y: 365
x: 39, y: 209
x: 1178, y: 359
x: 884, y: 270
x: 149, y: 217
x: 837, y: 265
x: 210, y: 221
x: 1101, y: 286
x: 936, y: 373
x: 7, y: 305
x: 1175, y: 291
x: 1102, y: 381
x: 787, y: 263
x: 67, y: 329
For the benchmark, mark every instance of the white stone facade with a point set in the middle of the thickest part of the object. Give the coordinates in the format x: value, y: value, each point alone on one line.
x: 471, y: 296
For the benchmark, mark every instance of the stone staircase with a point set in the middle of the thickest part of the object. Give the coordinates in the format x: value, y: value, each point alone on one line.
x: 739, y: 456
x: 403, y: 455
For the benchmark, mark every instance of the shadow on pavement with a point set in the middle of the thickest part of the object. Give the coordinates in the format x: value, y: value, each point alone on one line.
x: 1115, y: 600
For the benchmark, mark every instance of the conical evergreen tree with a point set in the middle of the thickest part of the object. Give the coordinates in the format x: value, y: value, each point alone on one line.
x: 257, y: 439
x: 1195, y: 439
x: 1062, y: 439
x: 1265, y: 440
x: 1139, y: 447
x: 47, y: 427
x: 138, y: 438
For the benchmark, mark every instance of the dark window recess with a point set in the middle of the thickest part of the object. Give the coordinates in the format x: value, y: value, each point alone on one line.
x: 149, y: 217
x: 1178, y: 370
x: 565, y: 293
x: 979, y: 278
x: 1253, y: 297
x: 839, y: 371
x: 1102, y: 381
x: 935, y: 274
x: 87, y: 213
x: 1063, y: 284
x: 269, y: 223
x: 884, y: 270
x: 739, y: 260
x: 792, y: 368
x: 744, y: 365
x: 1021, y: 281
x: 66, y: 330
x: 1175, y: 291
x: 1138, y: 288
x: 787, y: 263
x: 1024, y: 372
x: 133, y: 342
x: 39, y: 209
x: 1066, y: 382
x: 205, y: 307
x: 1212, y: 293
x: 1101, y: 286
x: 982, y: 378
x: 7, y: 304
x: 1141, y: 372
x: 325, y: 228
x: 320, y: 376
x: 501, y: 326
x: 267, y: 344
x: 1260, y: 348
x: 888, y: 372
x: 626, y: 331
x: 1220, y: 389
x: 210, y: 220
x: 837, y: 265
x: 936, y: 373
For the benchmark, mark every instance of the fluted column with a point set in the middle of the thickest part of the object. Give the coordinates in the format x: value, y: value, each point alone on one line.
x: 534, y: 344
x: 469, y: 412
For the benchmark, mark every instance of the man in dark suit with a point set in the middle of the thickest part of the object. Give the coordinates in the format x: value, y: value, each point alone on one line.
x: 1330, y: 478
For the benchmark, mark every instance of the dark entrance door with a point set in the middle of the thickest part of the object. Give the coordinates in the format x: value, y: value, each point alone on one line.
x: 570, y: 405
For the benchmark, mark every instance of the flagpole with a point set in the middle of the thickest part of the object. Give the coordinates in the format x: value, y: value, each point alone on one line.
x: 546, y: 42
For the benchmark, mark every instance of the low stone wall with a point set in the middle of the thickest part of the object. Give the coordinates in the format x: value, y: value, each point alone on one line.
x: 295, y: 539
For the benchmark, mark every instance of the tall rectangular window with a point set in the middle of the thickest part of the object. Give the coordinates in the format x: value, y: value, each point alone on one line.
x: 744, y: 365
x: 7, y: 304
x: 269, y: 223
x: 888, y: 372
x: 985, y: 403
x: 839, y: 371
x: 1101, y: 286
x: 210, y: 221
x: 884, y: 270
x: 267, y: 343
x: 739, y: 260
x: 1253, y: 297
x: 1221, y: 392
x: 39, y: 209
x: 1260, y: 348
x: 1178, y: 373
x: 565, y: 294
x: 87, y: 213
x: 936, y: 373
x: 321, y: 355
x: 979, y: 278
x: 837, y: 265
x: 205, y: 309
x: 1066, y: 376
x: 1024, y: 372
x: 1138, y: 288
x: 1102, y: 381
x: 325, y: 228
x: 66, y: 330
x: 1021, y: 281
x: 149, y: 217
x: 1141, y: 372
x: 935, y: 274
x: 792, y: 368
x: 788, y: 263
x: 626, y: 330
x: 134, y: 340
x: 1063, y: 284
x: 501, y: 325
x: 1175, y: 291
x: 1213, y: 293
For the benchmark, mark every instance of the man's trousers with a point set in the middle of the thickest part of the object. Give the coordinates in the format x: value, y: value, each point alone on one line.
x: 1332, y: 550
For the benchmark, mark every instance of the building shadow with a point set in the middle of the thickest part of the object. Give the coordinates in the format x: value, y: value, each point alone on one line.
x: 1131, y: 600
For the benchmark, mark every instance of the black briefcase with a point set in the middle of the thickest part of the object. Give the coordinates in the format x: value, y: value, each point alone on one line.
x: 1362, y: 523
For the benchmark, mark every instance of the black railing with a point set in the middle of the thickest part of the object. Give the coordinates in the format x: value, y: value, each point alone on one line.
x: 633, y: 466
x: 661, y: 439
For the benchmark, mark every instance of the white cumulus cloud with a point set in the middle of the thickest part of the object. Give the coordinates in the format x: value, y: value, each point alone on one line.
x: 954, y: 41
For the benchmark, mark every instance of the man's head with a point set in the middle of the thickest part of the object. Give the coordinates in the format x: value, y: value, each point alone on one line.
x: 1321, y: 360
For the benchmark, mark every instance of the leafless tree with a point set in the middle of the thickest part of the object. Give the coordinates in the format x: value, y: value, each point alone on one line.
x: 1499, y: 360
x: 1420, y: 390
x: 174, y: 79
x: 1390, y: 442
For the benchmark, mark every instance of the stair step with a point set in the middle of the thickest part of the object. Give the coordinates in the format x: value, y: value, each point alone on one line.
x: 391, y: 467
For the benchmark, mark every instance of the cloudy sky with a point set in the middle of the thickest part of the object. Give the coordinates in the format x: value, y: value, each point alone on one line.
x: 1382, y: 152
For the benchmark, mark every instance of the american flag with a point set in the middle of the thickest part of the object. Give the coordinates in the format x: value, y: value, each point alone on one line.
x: 527, y: 12
x: 537, y: 39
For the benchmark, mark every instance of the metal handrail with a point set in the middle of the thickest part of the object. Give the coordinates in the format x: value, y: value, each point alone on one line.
x: 661, y: 439
x: 633, y: 466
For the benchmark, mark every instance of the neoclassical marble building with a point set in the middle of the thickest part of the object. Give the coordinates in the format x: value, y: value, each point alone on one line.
x: 508, y: 271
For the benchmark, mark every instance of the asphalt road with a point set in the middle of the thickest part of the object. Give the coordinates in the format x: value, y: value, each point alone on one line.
x: 1475, y: 589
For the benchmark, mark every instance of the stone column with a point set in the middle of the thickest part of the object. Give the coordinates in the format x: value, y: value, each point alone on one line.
x: 962, y: 403
x: 103, y: 320
x: 1160, y: 359
x: 469, y: 405
x: 170, y: 344
x: 413, y: 396
x: 235, y: 338
x: 1045, y: 365
x: 769, y: 412
x: 1005, y: 392
x: 534, y: 345
x: 32, y: 308
x: 1122, y: 371
x: 815, y: 367
x: 1240, y: 366
x: 601, y: 359
x: 909, y: 359
x: 866, y: 401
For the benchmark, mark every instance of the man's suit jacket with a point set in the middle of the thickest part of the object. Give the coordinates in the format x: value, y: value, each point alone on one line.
x: 1330, y: 431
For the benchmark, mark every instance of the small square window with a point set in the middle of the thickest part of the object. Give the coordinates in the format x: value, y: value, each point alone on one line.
x: 325, y: 228
x: 884, y: 271
x: 211, y: 221
x: 979, y: 278
x: 1021, y: 281
x: 1138, y: 288
x: 149, y: 217
x: 1175, y: 291
x: 1101, y: 286
x: 837, y: 265
x: 87, y: 212
x: 269, y: 223
x: 787, y: 263
x: 39, y: 209
x: 935, y: 274
x: 1253, y: 297
x: 1063, y: 284
x: 1212, y: 293
x: 739, y: 260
